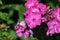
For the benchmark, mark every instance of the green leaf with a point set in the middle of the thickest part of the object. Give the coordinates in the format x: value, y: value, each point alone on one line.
x: 16, y: 6
x: 10, y: 22
x: 10, y: 13
x: 21, y: 12
x: 5, y: 33
x: 32, y: 38
x: 21, y: 9
x: 22, y: 38
x: 29, y: 38
x: 51, y: 4
x: 12, y: 33
x: 1, y: 2
x: 4, y: 16
x: 58, y: 0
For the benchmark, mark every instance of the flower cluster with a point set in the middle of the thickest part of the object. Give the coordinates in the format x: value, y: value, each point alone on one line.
x: 55, y: 14
x: 33, y: 15
x: 54, y: 23
x: 31, y: 3
x: 53, y: 27
x: 21, y: 30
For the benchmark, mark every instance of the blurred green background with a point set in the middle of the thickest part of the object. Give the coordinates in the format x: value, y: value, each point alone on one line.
x: 11, y: 11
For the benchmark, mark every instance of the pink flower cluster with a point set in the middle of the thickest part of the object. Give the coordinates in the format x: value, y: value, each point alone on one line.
x: 55, y: 14
x: 33, y: 15
x: 54, y: 23
x: 22, y: 30
x: 31, y: 3
x: 53, y: 27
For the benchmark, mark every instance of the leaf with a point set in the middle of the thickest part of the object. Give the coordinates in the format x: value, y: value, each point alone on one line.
x: 5, y: 33
x: 21, y: 12
x: 22, y: 38
x: 10, y: 13
x: 1, y: 2
x: 51, y: 4
x: 32, y: 38
x: 4, y: 16
x: 58, y: 0
x: 12, y: 33
x: 21, y: 9
x: 29, y: 38
x: 10, y: 22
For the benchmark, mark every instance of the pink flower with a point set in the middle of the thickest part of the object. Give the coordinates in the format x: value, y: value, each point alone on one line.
x: 33, y: 20
x: 44, y: 19
x: 20, y: 25
x: 43, y: 8
x: 53, y: 27
x: 22, y: 30
x: 28, y: 33
x: 56, y: 14
x: 35, y: 10
x: 19, y: 33
x: 31, y: 32
x: 31, y: 3
x: 32, y: 11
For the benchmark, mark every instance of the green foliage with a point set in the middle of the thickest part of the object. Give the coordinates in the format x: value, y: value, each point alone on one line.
x: 1, y: 2
x: 30, y: 38
x: 12, y: 34
x: 3, y: 16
